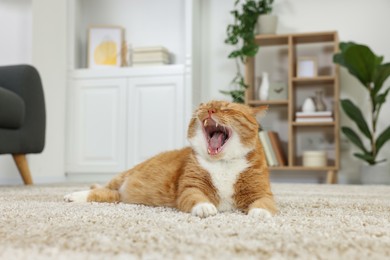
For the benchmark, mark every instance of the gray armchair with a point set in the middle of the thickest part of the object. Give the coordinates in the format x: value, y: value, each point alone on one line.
x: 22, y: 115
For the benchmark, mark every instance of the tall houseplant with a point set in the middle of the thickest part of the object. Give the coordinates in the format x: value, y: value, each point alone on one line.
x: 372, y: 73
x: 241, y: 34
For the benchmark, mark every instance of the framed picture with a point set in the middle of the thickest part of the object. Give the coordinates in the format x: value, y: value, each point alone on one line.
x: 307, y: 67
x: 105, y: 46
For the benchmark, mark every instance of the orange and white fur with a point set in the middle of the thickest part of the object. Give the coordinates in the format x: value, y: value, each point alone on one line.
x: 223, y: 169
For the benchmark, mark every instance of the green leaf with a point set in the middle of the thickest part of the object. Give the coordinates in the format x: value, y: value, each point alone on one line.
x: 354, y: 138
x: 339, y: 57
x: 382, y: 139
x: 381, y: 98
x: 355, y: 114
x: 383, y: 72
x: 234, y: 54
x: 366, y: 157
x: 361, y: 62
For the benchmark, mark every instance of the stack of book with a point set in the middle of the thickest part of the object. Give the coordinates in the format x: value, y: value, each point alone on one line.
x: 150, y: 56
x: 319, y: 116
x: 272, y: 148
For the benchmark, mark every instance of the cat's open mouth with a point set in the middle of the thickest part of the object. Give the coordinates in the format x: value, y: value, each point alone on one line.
x: 216, y: 136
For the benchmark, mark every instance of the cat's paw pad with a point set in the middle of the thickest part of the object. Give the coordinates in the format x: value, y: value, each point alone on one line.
x: 204, y: 210
x: 79, y: 196
x: 260, y: 213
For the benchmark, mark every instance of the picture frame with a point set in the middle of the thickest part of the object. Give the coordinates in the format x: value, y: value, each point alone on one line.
x: 105, y: 46
x: 307, y: 67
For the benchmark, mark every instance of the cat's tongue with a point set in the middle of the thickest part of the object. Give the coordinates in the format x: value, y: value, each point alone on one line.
x: 216, y: 141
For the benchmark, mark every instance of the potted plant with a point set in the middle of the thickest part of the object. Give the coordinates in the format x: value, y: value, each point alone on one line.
x: 241, y: 34
x: 267, y: 22
x: 371, y: 72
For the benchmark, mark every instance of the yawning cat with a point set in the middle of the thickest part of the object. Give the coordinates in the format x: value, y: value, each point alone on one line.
x: 223, y: 169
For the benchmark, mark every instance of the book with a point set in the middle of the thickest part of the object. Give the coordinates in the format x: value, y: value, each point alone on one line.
x: 313, y: 114
x: 269, y: 154
x: 150, y: 49
x: 315, y: 119
x: 145, y: 56
x: 165, y: 60
x: 277, y: 147
x: 145, y: 64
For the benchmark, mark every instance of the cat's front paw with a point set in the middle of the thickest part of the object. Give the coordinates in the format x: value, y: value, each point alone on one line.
x: 259, y: 213
x: 79, y: 196
x: 204, y: 210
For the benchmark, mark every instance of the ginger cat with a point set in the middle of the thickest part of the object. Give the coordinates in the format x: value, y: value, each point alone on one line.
x: 223, y: 169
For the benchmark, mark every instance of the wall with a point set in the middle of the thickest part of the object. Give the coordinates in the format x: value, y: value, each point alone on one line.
x: 46, y: 50
x: 355, y: 20
x: 15, y: 29
x: 49, y: 56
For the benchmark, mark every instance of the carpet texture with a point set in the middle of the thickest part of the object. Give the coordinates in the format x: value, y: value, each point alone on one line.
x: 315, y: 222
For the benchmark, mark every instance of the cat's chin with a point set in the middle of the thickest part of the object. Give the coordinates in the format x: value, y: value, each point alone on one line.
x: 216, y: 136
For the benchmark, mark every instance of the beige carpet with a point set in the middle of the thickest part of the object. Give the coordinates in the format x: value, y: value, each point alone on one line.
x: 315, y: 222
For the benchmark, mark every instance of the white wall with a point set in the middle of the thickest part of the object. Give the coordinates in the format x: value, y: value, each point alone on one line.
x: 15, y: 31
x: 355, y: 20
x: 49, y: 56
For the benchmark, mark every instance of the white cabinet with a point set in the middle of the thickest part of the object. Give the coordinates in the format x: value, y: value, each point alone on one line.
x: 156, y: 106
x: 118, y: 118
x: 96, y: 125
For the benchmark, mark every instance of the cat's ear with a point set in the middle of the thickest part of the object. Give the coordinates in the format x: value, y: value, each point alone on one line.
x: 259, y: 111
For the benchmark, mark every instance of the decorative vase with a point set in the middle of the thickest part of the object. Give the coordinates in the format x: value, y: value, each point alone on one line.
x: 378, y: 174
x: 308, y: 105
x: 267, y: 23
x: 319, y: 101
x: 264, y: 87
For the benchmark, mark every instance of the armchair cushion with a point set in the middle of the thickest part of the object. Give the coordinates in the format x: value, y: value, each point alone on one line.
x: 12, y: 109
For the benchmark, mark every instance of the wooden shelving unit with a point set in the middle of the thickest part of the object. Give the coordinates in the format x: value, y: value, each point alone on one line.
x: 328, y: 81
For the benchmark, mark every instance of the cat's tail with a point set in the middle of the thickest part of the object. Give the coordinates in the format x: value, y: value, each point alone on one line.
x: 99, y: 193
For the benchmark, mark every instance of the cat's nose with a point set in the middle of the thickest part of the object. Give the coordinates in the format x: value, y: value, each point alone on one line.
x: 211, y: 111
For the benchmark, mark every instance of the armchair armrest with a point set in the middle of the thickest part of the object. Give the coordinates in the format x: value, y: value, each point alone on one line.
x: 12, y: 109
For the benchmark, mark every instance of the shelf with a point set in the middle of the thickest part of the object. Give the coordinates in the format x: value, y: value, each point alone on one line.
x: 298, y: 38
x: 315, y: 80
x: 313, y: 123
x: 314, y: 37
x: 271, y: 40
x: 288, y: 47
x: 302, y: 168
x: 268, y: 102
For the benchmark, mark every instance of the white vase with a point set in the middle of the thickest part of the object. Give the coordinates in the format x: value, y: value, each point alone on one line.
x: 378, y: 174
x: 267, y: 23
x: 308, y: 105
x: 264, y: 87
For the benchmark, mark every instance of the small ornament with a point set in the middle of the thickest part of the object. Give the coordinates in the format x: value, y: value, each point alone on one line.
x: 264, y: 87
x: 308, y: 105
x: 319, y: 101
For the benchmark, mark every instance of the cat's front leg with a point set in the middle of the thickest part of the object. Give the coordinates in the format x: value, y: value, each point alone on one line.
x: 192, y: 200
x: 263, y: 208
x: 204, y: 209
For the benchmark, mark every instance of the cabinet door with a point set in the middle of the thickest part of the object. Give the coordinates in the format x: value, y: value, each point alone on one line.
x: 156, y: 116
x: 97, y: 126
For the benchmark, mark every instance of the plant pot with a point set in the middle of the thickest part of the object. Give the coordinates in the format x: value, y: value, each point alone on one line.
x: 267, y: 23
x: 375, y: 174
